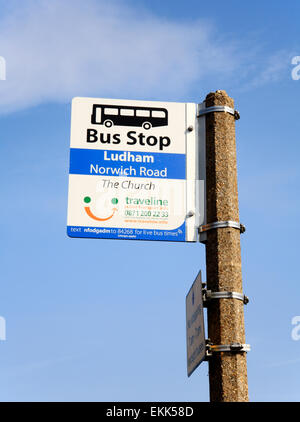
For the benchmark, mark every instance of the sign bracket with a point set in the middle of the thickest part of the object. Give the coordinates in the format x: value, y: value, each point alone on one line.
x: 209, y: 295
x: 225, y: 109
x: 234, y: 347
x: 222, y: 224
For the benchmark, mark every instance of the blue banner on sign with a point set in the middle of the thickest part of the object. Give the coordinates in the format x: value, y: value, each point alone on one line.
x: 127, y: 163
x: 177, y: 235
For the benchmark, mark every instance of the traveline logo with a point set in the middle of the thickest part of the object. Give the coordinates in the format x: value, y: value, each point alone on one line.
x: 2, y: 69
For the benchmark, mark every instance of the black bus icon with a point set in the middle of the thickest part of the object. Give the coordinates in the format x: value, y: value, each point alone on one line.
x: 145, y: 117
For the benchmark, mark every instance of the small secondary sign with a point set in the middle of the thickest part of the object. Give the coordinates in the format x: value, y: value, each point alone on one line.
x: 195, y: 335
x: 133, y: 170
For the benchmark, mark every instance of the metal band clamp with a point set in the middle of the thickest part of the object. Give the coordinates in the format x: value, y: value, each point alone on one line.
x: 232, y: 347
x: 225, y: 109
x: 222, y: 224
x: 208, y: 295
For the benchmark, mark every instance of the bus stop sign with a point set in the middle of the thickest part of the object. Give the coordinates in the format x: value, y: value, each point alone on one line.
x: 133, y: 170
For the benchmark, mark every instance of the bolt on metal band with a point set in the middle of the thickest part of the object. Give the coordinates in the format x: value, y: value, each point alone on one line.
x: 225, y: 109
x: 208, y: 295
x: 232, y: 347
x: 221, y: 225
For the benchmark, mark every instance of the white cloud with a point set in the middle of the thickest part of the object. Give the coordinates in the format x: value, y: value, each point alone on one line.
x: 59, y: 49
x: 56, y: 49
x: 272, y: 68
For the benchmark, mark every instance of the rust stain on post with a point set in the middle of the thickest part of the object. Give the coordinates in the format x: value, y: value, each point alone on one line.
x: 227, y: 371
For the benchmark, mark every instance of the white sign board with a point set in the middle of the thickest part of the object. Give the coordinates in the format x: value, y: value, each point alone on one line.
x: 133, y: 170
x: 195, y: 335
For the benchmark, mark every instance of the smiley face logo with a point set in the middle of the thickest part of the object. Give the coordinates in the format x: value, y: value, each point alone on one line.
x: 88, y: 200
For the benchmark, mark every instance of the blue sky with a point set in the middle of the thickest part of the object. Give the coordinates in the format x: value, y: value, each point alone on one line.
x: 104, y: 320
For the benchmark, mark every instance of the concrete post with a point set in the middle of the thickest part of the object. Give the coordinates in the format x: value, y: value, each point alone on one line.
x: 227, y: 370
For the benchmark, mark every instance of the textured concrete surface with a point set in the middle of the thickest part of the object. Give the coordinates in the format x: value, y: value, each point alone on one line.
x: 227, y: 371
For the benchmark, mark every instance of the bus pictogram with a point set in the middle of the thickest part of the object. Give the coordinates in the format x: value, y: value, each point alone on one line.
x: 118, y: 115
